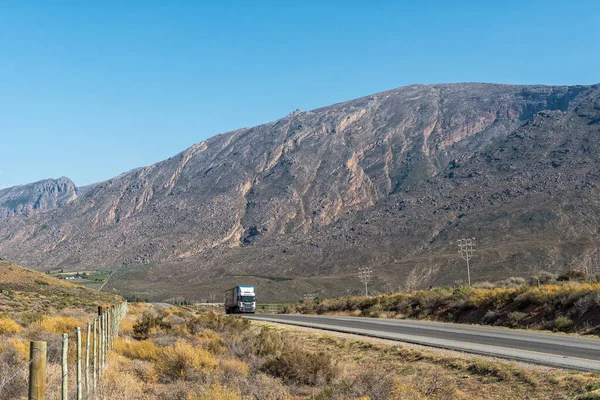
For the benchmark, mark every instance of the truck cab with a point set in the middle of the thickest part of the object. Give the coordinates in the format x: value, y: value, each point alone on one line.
x: 240, y: 299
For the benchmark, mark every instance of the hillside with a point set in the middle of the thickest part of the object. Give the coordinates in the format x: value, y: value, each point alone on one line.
x: 23, y: 289
x: 295, y: 206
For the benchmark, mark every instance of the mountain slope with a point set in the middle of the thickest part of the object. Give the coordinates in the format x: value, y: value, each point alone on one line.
x: 388, y: 180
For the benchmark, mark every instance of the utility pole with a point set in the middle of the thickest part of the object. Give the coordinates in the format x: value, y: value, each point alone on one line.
x: 365, y: 277
x: 465, y: 249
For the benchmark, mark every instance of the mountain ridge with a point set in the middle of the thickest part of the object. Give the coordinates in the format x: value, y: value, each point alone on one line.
x: 261, y: 190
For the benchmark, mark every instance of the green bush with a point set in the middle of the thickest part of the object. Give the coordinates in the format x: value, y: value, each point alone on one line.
x: 462, y: 292
x: 141, y: 329
x: 515, y: 318
x: 562, y: 323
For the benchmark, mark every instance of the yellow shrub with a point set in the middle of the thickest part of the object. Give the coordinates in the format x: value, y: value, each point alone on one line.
x: 181, y: 359
x: 8, y: 326
x: 59, y: 324
x: 126, y: 326
x: 216, y: 392
x: 21, y: 347
x: 142, y: 350
x: 211, y: 341
x: 234, y: 366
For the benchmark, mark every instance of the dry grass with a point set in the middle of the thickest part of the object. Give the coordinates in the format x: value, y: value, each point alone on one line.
x: 261, y: 361
x: 428, y: 374
x: 567, y: 306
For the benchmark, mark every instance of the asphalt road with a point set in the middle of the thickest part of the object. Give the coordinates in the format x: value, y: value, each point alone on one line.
x: 549, y: 349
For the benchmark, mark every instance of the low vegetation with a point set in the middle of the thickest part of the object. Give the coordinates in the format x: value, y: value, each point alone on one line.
x: 184, y: 355
x: 36, y: 306
x: 564, y: 304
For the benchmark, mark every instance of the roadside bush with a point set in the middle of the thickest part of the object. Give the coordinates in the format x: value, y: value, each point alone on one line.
x: 515, y: 318
x: 263, y: 387
x: 270, y: 342
x: 571, y: 275
x: 8, y: 326
x: 562, y: 323
x: 138, y: 350
x: 376, y: 384
x: 433, y: 383
x: 512, y: 282
x: 543, y: 278
x: 491, y: 316
x: 211, y: 341
x: 182, y: 360
x: 462, y: 292
x: 233, y: 367
x: 141, y: 329
x: 303, y: 367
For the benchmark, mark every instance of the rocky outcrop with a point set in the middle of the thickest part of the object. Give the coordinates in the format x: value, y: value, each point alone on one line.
x: 36, y: 197
x: 388, y: 180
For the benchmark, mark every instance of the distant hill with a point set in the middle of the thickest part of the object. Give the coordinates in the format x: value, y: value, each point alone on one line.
x: 27, y: 290
x: 296, y: 205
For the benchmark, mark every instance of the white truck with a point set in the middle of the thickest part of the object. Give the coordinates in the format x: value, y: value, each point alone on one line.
x: 240, y: 299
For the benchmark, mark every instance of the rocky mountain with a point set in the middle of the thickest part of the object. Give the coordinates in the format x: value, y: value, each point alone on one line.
x: 295, y: 206
x: 36, y: 197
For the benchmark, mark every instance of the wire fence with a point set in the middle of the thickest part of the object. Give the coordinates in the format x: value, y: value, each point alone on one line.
x: 72, y: 373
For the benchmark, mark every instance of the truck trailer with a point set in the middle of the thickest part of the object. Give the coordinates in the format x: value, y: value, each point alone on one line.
x: 240, y: 299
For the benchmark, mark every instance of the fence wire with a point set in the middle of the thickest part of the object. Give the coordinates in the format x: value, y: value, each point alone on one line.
x: 95, y: 364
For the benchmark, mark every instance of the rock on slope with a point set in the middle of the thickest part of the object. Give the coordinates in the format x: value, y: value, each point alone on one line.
x: 388, y: 180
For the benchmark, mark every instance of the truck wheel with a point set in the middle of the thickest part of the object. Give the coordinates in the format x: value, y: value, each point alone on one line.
x: 227, y: 311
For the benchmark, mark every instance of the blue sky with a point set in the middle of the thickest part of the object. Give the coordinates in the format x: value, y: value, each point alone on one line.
x: 92, y: 89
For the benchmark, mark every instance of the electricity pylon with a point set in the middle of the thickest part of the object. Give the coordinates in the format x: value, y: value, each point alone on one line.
x: 365, y: 277
x: 465, y: 249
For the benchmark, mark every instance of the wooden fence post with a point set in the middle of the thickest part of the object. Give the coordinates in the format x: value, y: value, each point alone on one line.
x: 87, y: 359
x: 108, y: 331
x: 37, y: 371
x: 79, y: 388
x: 104, y: 338
x: 65, y: 367
x: 95, y: 350
x: 100, y: 344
